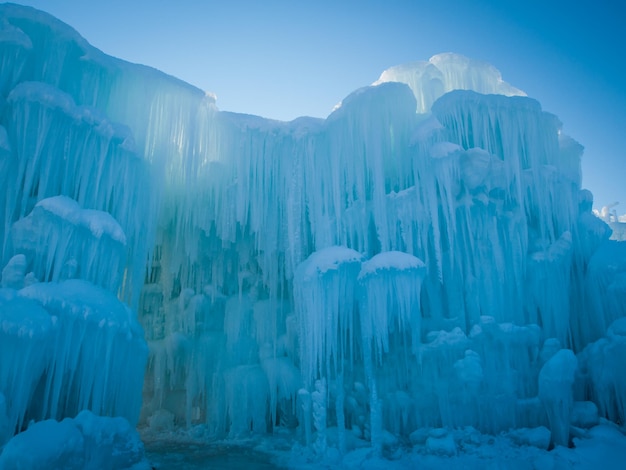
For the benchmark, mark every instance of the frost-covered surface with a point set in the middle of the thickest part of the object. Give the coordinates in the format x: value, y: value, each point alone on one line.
x: 376, y: 278
x: 466, y: 448
x: 446, y: 72
x: 432, y: 449
x: 66, y: 347
x: 86, y: 442
x: 63, y: 241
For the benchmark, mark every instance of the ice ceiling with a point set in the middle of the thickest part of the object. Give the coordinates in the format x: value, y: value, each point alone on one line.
x: 424, y: 257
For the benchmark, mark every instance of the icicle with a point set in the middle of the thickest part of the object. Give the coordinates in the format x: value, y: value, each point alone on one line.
x: 555, y: 392
x: 92, y: 326
x: 382, y: 312
x: 216, y: 224
x: 27, y: 336
x: 63, y: 241
x: 304, y: 415
x: 246, y: 391
x: 549, y: 285
x: 319, y: 402
x: 601, y: 364
x: 324, y: 298
x: 15, y: 48
x: 341, y: 416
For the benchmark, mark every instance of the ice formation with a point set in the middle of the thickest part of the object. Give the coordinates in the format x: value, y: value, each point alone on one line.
x: 87, y: 442
x: 423, y: 259
x: 431, y: 79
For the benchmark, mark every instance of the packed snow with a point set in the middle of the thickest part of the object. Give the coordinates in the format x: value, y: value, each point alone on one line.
x: 86, y: 442
x: 416, y: 280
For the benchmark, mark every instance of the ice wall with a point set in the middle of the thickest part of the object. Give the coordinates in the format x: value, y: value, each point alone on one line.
x: 72, y: 240
x: 417, y: 259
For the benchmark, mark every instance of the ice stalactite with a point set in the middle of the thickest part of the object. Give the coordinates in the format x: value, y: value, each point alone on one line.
x: 324, y: 297
x: 69, y: 234
x: 93, y: 327
x: 327, y: 291
x: 364, y: 157
x: 556, y: 381
x: 549, y: 289
x: 52, y: 335
x: 246, y: 392
x: 284, y: 381
x: 27, y: 339
x: 485, y: 379
x: 305, y: 416
x: 384, y: 316
x: 601, y: 363
x: 16, y: 46
x: 606, y: 273
x: 63, y: 241
x: 56, y: 331
x: 385, y: 319
x: 99, y: 167
x: 416, y: 260
x: 319, y: 400
x: 60, y: 241
x: 325, y: 303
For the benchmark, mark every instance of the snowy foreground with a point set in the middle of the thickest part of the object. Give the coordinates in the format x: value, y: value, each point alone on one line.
x: 92, y: 442
x: 416, y: 281
x: 432, y: 450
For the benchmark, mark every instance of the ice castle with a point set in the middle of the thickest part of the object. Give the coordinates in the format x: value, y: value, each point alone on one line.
x: 423, y: 258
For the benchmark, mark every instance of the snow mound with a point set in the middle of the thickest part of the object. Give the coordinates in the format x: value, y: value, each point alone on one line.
x: 85, y: 442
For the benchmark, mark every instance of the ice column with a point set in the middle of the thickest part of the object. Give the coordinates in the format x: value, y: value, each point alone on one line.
x: 324, y: 297
x: 27, y: 333
x: 556, y: 380
x: 602, y: 364
x: 389, y: 306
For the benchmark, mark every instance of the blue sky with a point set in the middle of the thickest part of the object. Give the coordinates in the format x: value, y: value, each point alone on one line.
x: 283, y: 59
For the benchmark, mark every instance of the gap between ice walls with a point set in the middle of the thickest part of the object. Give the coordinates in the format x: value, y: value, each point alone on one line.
x: 422, y: 258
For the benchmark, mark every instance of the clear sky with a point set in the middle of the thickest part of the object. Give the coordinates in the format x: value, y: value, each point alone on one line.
x: 283, y: 59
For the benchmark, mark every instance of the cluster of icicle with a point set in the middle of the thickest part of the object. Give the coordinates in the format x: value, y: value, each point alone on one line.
x: 252, y: 318
x: 349, y: 312
x: 71, y: 184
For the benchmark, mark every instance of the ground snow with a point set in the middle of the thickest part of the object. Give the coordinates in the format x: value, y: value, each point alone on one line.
x: 436, y: 449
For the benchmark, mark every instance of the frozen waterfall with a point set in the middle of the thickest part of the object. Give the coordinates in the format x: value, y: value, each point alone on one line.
x: 423, y: 259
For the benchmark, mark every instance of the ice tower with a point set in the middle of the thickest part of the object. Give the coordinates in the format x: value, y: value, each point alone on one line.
x: 422, y: 258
